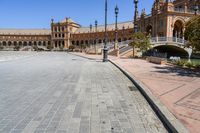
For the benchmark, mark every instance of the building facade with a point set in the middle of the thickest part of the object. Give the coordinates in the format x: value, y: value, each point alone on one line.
x: 167, y: 19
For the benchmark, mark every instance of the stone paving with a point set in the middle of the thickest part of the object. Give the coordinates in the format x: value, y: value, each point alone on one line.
x: 178, y: 89
x: 13, y: 55
x: 62, y: 93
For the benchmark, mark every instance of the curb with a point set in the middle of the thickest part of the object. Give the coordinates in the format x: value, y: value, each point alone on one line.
x: 170, y: 122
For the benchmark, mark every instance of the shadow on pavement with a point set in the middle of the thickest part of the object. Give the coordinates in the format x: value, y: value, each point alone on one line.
x: 179, y: 71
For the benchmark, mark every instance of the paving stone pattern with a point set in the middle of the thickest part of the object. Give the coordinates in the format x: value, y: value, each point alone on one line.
x: 62, y: 93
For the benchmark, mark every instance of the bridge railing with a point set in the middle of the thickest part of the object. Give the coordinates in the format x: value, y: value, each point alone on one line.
x: 179, y: 41
x: 110, y: 45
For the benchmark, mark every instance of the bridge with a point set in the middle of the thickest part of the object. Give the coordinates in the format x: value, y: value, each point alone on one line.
x: 175, y: 42
x: 179, y: 44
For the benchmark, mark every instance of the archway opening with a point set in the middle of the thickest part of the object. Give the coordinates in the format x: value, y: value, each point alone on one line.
x: 170, y: 50
x: 178, y: 29
x: 149, y: 30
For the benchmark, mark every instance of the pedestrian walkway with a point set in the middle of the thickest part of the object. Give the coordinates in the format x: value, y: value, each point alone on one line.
x: 63, y: 93
x: 178, y: 89
x: 13, y: 55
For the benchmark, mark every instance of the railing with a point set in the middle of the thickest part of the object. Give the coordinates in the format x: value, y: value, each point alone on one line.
x: 110, y: 45
x: 179, y: 41
x: 179, y: 9
x: 182, y: 10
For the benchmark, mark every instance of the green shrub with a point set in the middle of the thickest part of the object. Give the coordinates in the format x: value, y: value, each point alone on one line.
x: 190, y: 65
x: 71, y: 47
x: 16, y: 48
x: 50, y: 47
x: 180, y: 63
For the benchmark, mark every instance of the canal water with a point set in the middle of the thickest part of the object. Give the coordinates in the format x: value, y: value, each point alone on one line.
x: 195, y: 61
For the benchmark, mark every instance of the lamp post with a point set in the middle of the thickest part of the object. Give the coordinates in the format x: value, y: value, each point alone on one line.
x: 196, y: 8
x: 90, y: 35
x: 105, y: 49
x: 96, y: 23
x: 135, y: 16
x: 116, y: 28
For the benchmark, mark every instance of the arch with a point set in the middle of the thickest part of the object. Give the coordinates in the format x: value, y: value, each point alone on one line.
x: 86, y: 41
x: 94, y: 41
x: 35, y: 43
x: 56, y: 44
x: 9, y: 43
x: 179, y: 19
x: 172, y: 50
x: 63, y: 43
x: 178, y: 29
x: 82, y: 42
x: 59, y: 44
x: 20, y: 43
x: 4, y: 43
x: 77, y: 43
x: 149, y: 30
x: 29, y: 43
x: 24, y: 43
x: 44, y: 43
x: 100, y: 41
x: 39, y: 43
x: 15, y: 43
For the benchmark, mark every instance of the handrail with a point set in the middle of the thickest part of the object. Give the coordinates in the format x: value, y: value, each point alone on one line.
x: 180, y: 41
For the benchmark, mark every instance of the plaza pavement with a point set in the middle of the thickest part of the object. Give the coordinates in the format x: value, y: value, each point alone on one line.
x: 178, y: 89
x: 63, y: 93
x: 13, y: 55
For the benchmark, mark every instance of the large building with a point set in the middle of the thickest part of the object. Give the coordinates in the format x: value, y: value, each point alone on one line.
x: 167, y: 19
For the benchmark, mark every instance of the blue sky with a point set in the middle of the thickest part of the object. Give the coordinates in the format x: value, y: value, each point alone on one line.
x: 38, y: 13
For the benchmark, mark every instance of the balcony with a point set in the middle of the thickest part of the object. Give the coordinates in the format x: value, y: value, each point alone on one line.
x: 182, y: 10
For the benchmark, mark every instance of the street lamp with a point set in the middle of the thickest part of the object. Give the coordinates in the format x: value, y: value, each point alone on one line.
x: 105, y: 50
x: 90, y: 35
x: 196, y: 8
x: 135, y: 16
x: 116, y: 29
x: 96, y: 23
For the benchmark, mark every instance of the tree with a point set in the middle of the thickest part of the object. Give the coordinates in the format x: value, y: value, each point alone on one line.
x: 71, y: 47
x: 192, y: 32
x: 141, y: 41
